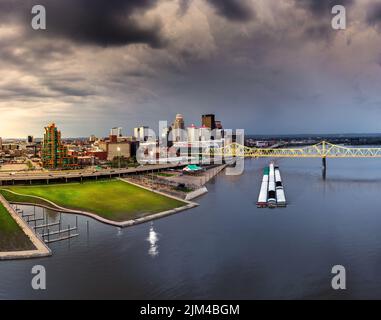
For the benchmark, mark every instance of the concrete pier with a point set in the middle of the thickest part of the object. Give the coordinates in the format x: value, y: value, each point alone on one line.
x: 324, y: 170
x: 42, y: 250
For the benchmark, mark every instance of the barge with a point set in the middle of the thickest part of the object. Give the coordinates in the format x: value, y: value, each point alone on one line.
x: 280, y: 196
x: 271, y: 196
x: 262, y: 198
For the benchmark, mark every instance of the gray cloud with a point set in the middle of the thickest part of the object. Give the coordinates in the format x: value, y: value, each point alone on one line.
x: 322, y: 7
x: 373, y: 16
x: 183, y: 6
x: 319, y: 26
x: 235, y: 10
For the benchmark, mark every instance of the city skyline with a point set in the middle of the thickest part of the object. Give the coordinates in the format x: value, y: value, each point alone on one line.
x: 250, y: 62
x: 210, y: 151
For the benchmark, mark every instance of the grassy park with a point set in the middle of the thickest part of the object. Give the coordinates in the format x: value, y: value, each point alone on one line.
x: 112, y: 199
x: 12, y: 238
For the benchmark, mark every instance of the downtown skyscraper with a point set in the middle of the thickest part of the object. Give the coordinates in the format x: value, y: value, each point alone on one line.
x: 54, y: 152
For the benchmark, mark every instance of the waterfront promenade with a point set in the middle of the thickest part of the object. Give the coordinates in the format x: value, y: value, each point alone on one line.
x: 67, y: 175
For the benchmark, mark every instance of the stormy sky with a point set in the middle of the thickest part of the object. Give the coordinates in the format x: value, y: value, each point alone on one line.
x: 267, y: 66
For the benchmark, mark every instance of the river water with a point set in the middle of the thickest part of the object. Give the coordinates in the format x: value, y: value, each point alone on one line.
x: 227, y: 248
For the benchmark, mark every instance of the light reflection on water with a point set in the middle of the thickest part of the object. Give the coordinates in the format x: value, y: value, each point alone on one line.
x: 153, y: 239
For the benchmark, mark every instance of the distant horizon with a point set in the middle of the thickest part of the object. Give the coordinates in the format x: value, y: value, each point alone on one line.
x: 246, y: 135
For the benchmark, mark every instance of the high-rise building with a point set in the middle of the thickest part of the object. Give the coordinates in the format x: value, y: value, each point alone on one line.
x: 193, y: 134
x: 209, y: 121
x: 141, y: 133
x: 179, y: 122
x: 177, y: 128
x: 205, y: 133
x: 30, y: 139
x: 54, y: 152
x: 116, y: 131
x: 220, y: 133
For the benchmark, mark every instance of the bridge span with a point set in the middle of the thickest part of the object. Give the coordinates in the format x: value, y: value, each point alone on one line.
x: 322, y: 149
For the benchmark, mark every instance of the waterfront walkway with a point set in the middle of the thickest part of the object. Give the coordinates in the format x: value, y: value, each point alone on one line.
x: 67, y: 175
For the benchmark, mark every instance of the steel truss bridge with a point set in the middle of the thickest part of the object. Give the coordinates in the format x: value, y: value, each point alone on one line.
x: 322, y: 150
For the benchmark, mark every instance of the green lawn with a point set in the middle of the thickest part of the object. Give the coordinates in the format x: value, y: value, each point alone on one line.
x: 12, y: 238
x: 112, y: 199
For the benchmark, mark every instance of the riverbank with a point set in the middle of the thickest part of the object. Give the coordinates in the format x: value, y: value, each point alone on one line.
x: 176, y: 183
x: 17, y: 239
x: 198, y: 180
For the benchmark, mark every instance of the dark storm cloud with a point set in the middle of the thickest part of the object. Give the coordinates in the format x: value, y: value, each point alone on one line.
x: 97, y: 22
x: 322, y: 7
x: 320, y: 31
x: 373, y: 17
x: 235, y: 10
x: 15, y: 91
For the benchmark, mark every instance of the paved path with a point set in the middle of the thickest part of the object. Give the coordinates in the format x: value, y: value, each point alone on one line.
x: 78, y: 174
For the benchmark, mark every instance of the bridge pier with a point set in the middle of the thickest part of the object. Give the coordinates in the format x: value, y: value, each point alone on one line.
x: 324, y: 161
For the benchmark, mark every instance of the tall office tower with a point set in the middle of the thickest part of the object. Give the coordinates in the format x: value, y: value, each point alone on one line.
x: 54, y: 153
x: 177, y: 128
x: 208, y: 121
x: 117, y: 131
x: 179, y: 122
x: 220, y: 133
x: 193, y: 134
x: 218, y: 124
x: 30, y: 139
x: 141, y: 133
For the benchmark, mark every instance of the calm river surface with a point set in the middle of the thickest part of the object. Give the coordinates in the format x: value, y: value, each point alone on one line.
x: 227, y: 248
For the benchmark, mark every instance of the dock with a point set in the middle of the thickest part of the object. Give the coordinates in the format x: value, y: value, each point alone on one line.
x: 44, y: 229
